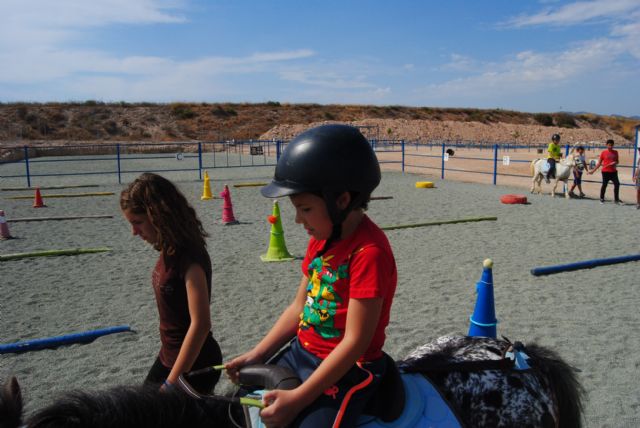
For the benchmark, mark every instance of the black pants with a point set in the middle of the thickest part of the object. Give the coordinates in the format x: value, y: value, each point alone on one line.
x: 613, y: 177
x: 204, y: 383
x: 552, y: 168
x: 323, y: 411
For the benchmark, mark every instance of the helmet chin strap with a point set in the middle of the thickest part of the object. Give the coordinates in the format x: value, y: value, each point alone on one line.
x: 337, y: 216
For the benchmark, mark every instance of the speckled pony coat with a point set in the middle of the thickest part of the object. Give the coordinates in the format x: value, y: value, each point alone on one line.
x: 546, y: 395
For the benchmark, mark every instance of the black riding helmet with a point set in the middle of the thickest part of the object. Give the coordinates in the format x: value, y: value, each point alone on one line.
x: 327, y: 160
x: 555, y: 137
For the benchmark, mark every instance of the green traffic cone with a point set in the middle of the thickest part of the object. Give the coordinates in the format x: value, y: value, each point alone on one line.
x: 277, y: 251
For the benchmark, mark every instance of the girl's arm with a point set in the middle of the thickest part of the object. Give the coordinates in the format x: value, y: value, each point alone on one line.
x: 362, y: 320
x: 282, y: 331
x: 198, y: 301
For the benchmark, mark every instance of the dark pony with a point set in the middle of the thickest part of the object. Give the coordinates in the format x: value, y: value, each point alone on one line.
x: 122, y: 406
x: 482, y: 387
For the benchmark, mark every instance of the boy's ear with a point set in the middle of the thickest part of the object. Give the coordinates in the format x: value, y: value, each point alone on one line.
x: 343, y: 200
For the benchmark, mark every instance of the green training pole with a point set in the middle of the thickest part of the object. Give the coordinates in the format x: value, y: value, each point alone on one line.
x: 51, y: 253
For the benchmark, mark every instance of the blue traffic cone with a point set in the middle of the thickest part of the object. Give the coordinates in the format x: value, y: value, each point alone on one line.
x: 483, y: 320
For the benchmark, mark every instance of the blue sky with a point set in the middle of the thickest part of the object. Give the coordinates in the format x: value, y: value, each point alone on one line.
x: 534, y: 56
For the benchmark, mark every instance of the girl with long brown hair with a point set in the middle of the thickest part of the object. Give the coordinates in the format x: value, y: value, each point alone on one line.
x: 160, y: 214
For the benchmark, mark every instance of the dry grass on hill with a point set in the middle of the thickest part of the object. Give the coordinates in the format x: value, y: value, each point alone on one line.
x: 93, y: 121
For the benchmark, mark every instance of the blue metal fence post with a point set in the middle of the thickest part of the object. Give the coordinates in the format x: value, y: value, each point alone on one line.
x: 200, y: 160
x: 495, y: 163
x: 402, y: 146
x: 442, y: 173
x: 635, y: 152
x: 26, y: 164
x: 278, y: 150
x: 118, y: 163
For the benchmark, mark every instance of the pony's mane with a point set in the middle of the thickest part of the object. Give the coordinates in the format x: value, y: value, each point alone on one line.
x: 122, y: 406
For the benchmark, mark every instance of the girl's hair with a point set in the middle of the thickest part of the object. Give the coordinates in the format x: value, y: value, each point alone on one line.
x: 179, y: 230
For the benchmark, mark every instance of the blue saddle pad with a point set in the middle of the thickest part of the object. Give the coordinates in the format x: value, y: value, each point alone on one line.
x: 424, y: 407
x: 545, y: 168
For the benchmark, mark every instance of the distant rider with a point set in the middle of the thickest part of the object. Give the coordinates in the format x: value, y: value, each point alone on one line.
x: 554, y: 155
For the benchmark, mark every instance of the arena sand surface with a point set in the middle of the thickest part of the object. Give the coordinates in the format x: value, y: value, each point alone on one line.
x: 589, y: 316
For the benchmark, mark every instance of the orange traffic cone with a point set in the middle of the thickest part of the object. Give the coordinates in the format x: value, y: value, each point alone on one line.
x: 37, y: 200
x: 206, y: 190
x: 277, y: 251
x: 4, y: 227
x: 227, y: 207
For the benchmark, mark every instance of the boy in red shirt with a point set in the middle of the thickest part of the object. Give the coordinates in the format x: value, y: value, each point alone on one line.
x: 338, y: 317
x: 609, y: 161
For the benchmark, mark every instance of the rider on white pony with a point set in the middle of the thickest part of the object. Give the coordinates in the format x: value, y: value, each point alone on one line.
x: 555, y: 154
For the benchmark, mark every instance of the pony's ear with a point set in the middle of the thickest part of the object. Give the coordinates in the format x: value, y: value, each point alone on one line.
x: 11, y: 404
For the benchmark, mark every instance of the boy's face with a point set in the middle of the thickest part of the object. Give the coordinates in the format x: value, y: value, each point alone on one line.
x: 311, y: 212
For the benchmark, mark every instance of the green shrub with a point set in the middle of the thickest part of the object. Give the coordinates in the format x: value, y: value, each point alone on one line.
x: 183, y: 111
x: 543, y: 119
x: 221, y: 112
x: 22, y: 112
x: 565, y: 120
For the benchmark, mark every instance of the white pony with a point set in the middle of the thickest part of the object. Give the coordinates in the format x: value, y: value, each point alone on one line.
x: 539, y: 169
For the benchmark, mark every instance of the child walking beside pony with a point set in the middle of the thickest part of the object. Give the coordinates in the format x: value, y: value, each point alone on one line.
x: 160, y: 214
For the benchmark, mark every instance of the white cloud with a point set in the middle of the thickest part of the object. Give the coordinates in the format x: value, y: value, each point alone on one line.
x: 461, y: 63
x: 579, y: 12
x: 44, y: 23
x: 528, y: 71
x: 36, y: 39
x: 326, y: 79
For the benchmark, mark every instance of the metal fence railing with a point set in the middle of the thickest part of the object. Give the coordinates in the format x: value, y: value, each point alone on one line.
x: 444, y: 158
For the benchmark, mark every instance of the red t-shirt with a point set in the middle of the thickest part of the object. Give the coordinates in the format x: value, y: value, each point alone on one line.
x: 361, y: 266
x: 609, y: 160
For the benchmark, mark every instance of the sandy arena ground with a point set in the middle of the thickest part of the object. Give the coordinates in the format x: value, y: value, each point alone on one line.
x: 589, y: 316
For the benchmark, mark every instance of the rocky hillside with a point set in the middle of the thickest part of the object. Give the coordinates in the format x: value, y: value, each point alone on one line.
x: 22, y: 123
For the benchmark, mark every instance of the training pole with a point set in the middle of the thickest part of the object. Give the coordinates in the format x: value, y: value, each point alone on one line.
x: 67, y: 339
x: 73, y: 217
x: 51, y: 253
x: 438, y: 223
x: 68, y: 195
x: 587, y: 264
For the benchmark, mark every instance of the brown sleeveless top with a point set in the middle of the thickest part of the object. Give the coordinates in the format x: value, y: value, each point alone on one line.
x: 171, y: 297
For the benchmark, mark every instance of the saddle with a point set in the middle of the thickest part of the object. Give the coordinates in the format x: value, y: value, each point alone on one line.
x: 388, y: 401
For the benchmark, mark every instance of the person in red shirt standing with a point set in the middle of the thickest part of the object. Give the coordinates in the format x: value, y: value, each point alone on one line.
x: 609, y: 161
x: 335, y: 325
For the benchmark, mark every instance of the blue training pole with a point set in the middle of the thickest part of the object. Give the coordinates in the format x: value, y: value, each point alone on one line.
x: 51, y: 342
x: 587, y: 264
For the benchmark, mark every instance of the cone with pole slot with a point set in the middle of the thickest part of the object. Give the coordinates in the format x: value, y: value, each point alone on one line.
x: 483, y: 321
x: 277, y: 251
x: 4, y: 227
x: 227, y: 207
x: 37, y: 199
x: 206, y: 190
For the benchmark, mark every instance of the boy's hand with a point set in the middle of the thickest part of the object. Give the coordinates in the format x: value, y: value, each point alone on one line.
x: 282, y: 408
x: 233, y: 367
